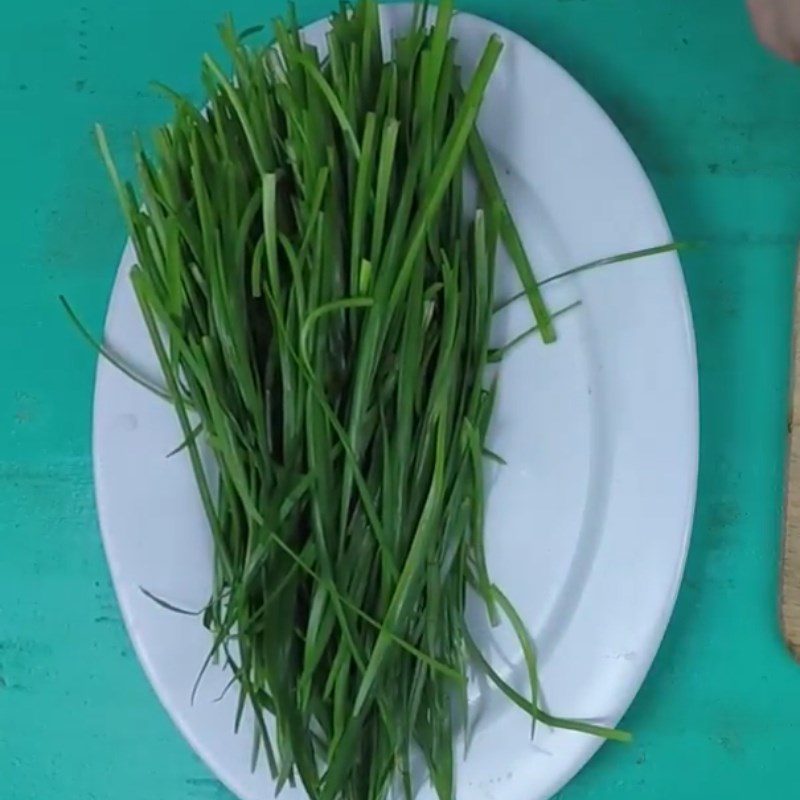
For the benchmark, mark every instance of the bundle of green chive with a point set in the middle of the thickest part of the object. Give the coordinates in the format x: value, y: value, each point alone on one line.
x: 319, y: 300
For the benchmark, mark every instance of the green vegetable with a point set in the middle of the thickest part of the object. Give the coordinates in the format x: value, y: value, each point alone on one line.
x: 319, y: 300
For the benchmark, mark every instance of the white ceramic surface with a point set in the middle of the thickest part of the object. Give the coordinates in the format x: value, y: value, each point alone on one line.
x: 589, y: 523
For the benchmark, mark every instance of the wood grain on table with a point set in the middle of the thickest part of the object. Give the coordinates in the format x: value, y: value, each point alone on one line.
x: 790, y: 554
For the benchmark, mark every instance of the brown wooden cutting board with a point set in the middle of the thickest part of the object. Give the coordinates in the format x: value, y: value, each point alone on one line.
x: 790, y: 555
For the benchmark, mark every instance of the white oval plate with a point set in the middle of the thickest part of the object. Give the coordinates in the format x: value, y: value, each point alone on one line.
x: 588, y: 524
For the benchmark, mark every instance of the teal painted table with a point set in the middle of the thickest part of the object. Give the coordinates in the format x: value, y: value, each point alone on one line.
x: 716, y: 123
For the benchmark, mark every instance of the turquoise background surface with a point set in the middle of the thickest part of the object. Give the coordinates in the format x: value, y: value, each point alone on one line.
x: 716, y: 123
